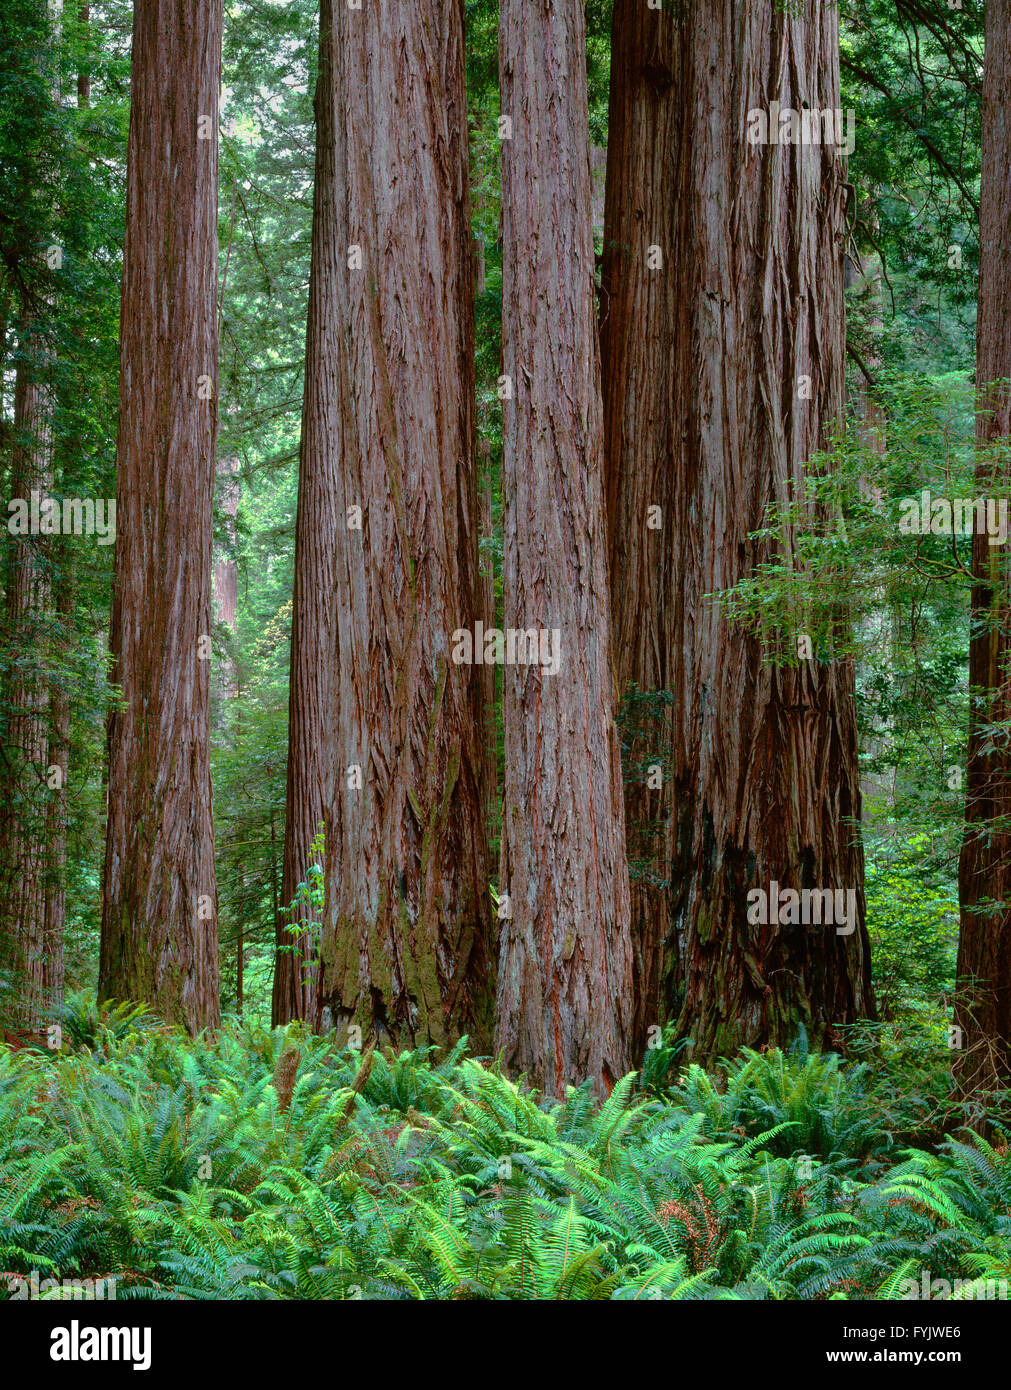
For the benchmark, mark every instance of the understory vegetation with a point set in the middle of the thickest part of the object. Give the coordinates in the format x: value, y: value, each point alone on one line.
x: 274, y: 1165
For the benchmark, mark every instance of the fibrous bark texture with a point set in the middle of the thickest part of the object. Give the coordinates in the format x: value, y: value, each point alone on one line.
x: 565, y: 964
x: 310, y: 723
x: 31, y: 881
x: 639, y: 317
x: 724, y: 374
x: 159, y: 928
x: 406, y: 934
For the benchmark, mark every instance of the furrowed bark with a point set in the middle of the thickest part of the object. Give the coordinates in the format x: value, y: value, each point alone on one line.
x: 310, y: 721
x: 159, y: 920
x: 406, y: 936
x: 639, y: 316
x: 31, y: 940
x: 748, y: 310
x: 564, y: 1009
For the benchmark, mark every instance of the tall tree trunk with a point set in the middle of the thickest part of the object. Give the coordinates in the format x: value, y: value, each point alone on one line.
x: 57, y: 776
x: 983, y: 1005
x: 310, y: 721
x: 486, y: 612
x: 406, y: 938
x: 749, y: 314
x: 640, y: 348
x: 31, y: 980
x: 564, y: 1009
x: 159, y: 919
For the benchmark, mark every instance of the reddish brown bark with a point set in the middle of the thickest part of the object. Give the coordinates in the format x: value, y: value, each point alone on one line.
x: 639, y: 348
x: 31, y: 932
x: 310, y: 722
x: 406, y: 936
x: 58, y: 773
x: 159, y: 920
x: 564, y: 1009
x: 983, y: 1004
x: 708, y: 419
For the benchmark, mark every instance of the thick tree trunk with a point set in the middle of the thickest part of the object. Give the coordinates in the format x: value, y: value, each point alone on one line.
x: 983, y: 1005
x: 748, y: 311
x: 564, y: 1009
x: 639, y: 317
x: 31, y: 950
x: 159, y: 927
x: 406, y: 937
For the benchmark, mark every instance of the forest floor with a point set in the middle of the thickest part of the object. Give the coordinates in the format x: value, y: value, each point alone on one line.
x: 271, y: 1164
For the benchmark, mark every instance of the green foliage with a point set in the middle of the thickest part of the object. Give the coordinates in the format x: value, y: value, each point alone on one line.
x: 808, y: 1101
x: 913, y: 925
x: 170, y: 1165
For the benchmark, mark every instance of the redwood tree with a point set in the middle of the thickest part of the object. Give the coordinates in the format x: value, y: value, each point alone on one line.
x: 159, y: 929
x: 983, y: 1002
x: 406, y: 935
x: 310, y: 725
x: 565, y: 965
x: 640, y: 323
x: 31, y: 923
x: 724, y: 373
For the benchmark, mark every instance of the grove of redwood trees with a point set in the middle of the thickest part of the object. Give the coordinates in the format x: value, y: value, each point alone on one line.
x: 645, y: 415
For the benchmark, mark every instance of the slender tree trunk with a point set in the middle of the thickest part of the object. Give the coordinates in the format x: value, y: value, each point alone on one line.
x: 564, y: 1009
x: 30, y: 951
x: 748, y: 312
x: 983, y: 1005
x: 84, y: 76
x: 486, y: 611
x: 310, y: 722
x: 406, y: 939
x: 640, y: 352
x: 57, y: 777
x: 225, y: 584
x: 159, y: 920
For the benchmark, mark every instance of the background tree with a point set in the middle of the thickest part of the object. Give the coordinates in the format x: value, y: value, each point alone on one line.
x: 31, y: 936
x: 49, y: 175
